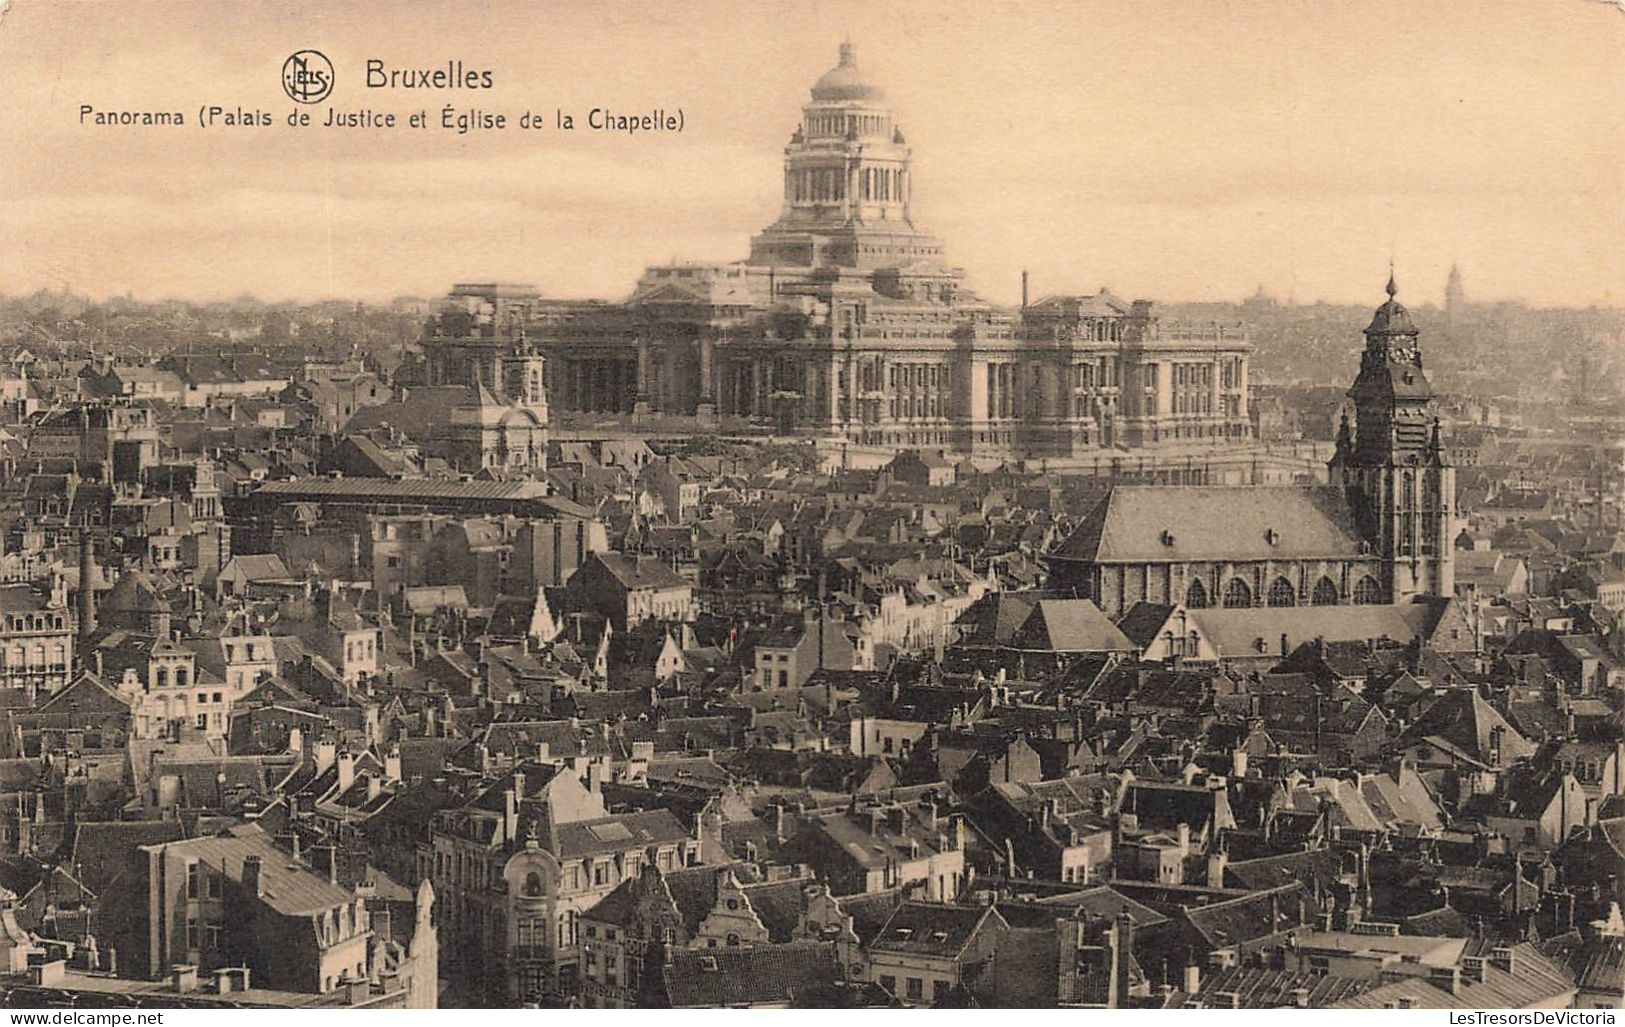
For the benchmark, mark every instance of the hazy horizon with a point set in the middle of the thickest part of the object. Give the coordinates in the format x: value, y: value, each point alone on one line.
x: 1183, y: 154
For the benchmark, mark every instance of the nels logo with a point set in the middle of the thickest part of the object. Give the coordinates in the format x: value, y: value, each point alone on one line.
x: 307, y: 76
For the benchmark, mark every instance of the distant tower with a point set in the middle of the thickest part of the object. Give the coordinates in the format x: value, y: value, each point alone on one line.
x: 1455, y: 300
x: 87, y: 586
x: 1402, y: 489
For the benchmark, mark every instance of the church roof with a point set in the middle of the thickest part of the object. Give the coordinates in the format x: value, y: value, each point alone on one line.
x: 1260, y: 630
x: 1391, y: 318
x: 1166, y: 524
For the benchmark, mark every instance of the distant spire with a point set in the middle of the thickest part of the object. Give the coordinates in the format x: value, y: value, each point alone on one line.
x: 1392, y: 288
x: 849, y: 55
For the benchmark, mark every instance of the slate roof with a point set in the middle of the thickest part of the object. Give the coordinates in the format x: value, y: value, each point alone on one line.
x: 289, y: 887
x: 1180, y: 524
x: 102, y: 850
x: 635, y: 572
x: 932, y: 929
x: 1462, y: 717
x: 760, y: 975
x: 618, y: 833
x: 1070, y: 626
x: 1245, y: 919
x: 1535, y: 980
x: 1257, y: 631
x: 1272, y: 989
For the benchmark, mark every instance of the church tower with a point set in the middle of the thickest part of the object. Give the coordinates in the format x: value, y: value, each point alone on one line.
x: 1455, y: 300
x: 1392, y: 463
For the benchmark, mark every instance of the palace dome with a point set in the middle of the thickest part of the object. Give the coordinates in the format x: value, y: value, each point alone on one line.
x: 845, y: 81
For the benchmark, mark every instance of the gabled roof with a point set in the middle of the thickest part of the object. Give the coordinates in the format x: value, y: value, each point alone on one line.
x: 1462, y: 717
x: 1177, y: 524
x: 1070, y: 626
x: 932, y: 929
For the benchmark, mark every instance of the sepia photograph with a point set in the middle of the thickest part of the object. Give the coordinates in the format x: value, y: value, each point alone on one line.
x: 811, y: 505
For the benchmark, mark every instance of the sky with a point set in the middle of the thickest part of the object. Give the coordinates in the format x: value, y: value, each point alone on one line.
x: 1182, y: 151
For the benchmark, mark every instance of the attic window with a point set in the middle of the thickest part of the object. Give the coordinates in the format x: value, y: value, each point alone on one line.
x: 1167, y: 538
x: 1272, y: 536
x: 708, y: 963
x: 939, y: 936
x: 903, y: 933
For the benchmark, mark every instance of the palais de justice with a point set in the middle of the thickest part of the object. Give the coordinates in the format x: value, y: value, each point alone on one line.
x: 846, y: 322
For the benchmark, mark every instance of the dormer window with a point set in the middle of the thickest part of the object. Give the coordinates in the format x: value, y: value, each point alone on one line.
x: 1167, y: 537
x: 1272, y: 536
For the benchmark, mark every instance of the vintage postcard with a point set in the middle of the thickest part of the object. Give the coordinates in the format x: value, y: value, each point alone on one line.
x: 834, y: 504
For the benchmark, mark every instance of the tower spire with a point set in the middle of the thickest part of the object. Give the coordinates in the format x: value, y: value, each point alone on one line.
x: 1392, y: 288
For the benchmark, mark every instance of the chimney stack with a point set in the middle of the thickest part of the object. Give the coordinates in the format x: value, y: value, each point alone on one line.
x: 252, y: 882
x: 87, y: 586
x: 1122, y: 958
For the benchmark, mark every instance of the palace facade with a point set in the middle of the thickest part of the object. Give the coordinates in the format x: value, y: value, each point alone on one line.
x: 846, y: 321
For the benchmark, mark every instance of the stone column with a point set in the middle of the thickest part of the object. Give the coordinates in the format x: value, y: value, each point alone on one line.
x: 851, y: 387
x: 707, y: 407
x: 1242, y: 408
x: 641, y: 405
x: 832, y: 398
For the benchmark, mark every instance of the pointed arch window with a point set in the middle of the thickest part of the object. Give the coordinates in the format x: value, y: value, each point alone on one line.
x: 1196, y: 596
x: 1237, y: 594
x: 1325, y: 593
x: 1282, y: 593
x: 1367, y: 592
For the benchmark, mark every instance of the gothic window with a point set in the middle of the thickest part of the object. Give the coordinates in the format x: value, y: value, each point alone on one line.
x: 1282, y: 593
x: 1237, y: 594
x: 1367, y: 592
x: 1196, y: 596
x: 1325, y: 593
